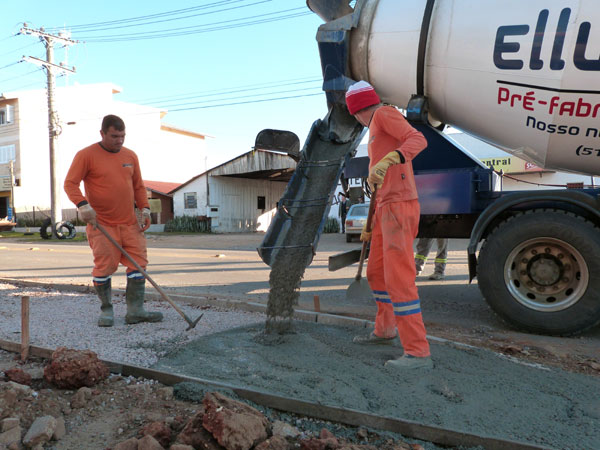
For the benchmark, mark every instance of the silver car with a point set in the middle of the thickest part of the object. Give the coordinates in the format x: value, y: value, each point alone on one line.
x: 356, y: 219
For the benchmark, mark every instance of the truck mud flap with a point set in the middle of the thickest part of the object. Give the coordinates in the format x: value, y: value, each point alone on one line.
x: 345, y: 259
x: 305, y: 204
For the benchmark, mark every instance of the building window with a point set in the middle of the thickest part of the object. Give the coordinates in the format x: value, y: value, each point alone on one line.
x: 261, y: 203
x: 6, y: 115
x: 7, y: 153
x: 190, y: 200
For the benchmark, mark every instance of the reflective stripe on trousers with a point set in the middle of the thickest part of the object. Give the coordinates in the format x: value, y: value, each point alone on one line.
x: 424, y: 247
x: 391, y: 274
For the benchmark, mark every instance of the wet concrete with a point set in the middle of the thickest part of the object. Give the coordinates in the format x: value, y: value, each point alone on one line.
x: 470, y: 390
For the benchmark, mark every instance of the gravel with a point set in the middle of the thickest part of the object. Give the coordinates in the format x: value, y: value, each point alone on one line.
x: 69, y: 319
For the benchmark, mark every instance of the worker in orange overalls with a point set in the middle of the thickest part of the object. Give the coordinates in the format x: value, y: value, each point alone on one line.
x: 393, y: 143
x: 113, y: 188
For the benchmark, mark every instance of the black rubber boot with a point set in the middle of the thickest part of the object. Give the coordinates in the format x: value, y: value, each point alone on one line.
x: 134, y: 295
x: 104, y: 292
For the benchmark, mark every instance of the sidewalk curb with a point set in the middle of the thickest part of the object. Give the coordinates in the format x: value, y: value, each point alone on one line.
x: 214, y: 301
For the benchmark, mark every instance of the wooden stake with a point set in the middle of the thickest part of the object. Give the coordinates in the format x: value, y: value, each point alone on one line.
x: 24, y: 328
x: 317, y: 304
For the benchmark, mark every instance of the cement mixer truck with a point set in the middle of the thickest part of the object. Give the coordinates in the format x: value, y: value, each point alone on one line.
x: 522, y: 76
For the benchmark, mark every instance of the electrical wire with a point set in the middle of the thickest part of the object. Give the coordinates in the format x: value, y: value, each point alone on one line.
x: 11, y: 64
x: 247, y: 87
x: 165, y: 103
x: 24, y: 86
x: 17, y: 49
x: 245, y: 103
x: 149, y: 16
x: 196, y: 29
x: 236, y: 98
x: 93, y: 30
x: 22, y: 75
x: 8, y: 37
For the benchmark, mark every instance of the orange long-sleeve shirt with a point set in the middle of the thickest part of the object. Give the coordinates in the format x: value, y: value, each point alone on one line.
x: 389, y: 131
x: 112, y: 182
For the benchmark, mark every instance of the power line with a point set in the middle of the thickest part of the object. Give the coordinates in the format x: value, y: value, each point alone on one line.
x: 23, y: 75
x: 11, y: 64
x: 254, y: 87
x: 174, y: 32
x: 245, y: 103
x: 238, y: 97
x: 23, y: 86
x: 93, y: 30
x: 8, y: 37
x: 149, y: 16
x: 17, y: 49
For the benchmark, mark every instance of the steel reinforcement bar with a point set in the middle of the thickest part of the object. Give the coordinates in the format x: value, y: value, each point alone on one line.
x: 411, y: 429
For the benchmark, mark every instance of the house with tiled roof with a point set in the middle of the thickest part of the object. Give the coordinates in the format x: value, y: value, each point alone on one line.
x: 161, y: 202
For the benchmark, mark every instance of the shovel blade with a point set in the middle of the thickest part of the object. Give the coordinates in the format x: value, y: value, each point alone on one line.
x: 359, y: 290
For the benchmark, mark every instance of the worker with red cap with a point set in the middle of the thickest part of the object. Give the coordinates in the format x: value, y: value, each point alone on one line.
x: 393, y: 143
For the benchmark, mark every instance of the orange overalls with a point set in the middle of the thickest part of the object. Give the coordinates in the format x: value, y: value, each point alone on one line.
x: 391, y: 268
x: 112, y: 182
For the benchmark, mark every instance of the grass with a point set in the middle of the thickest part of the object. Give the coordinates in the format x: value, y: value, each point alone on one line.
x: 35, y: 236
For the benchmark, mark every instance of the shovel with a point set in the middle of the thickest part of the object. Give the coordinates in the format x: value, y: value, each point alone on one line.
x: 191, y: 323
x: 360, y: 289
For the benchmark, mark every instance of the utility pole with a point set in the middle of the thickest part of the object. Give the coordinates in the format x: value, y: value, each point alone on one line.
x: 11, y: 168
x: 54, y: 128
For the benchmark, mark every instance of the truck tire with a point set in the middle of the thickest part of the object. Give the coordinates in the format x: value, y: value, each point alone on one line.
x: 540, y: 272
x: 44, y: 229
x: 64, y: 230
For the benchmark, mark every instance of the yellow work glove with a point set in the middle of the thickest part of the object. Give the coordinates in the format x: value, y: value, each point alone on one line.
x: 377, y: 172
x: 365, y: 236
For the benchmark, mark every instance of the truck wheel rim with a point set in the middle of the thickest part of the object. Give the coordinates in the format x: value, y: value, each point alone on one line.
x: 546, y: 274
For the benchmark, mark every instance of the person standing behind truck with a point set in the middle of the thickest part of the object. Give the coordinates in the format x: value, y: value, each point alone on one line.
x: 343, y: 210
x: 113, y: 187
x: 393, y: 143
x: 441, y: 259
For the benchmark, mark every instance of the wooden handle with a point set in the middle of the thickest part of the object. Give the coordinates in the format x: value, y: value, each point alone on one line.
x: 371, y: 210
x: 142, y: 271
x: 363, y: 251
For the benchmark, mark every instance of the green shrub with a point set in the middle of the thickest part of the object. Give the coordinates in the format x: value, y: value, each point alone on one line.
x: 190, y: 224
x: 28, y: 222
x: 331, y: 225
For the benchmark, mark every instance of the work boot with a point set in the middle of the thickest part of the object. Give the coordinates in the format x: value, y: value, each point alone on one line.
x: 436, y: 276
x: 410, y: 362
x: 134, y: 295
x: 104, y: 292
x: 372, y: 339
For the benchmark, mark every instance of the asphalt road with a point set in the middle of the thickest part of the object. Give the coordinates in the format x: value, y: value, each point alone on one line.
x: 228, y: 266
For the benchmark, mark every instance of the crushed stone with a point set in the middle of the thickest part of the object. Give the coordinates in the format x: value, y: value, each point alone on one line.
x: 70, y: 319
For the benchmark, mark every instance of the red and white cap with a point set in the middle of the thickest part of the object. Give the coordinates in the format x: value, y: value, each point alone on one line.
x: 361, y: 95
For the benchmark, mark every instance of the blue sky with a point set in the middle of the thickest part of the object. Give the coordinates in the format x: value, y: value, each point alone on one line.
x: 225, y: 63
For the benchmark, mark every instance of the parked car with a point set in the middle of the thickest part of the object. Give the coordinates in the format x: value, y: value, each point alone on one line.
x: 356, y: 219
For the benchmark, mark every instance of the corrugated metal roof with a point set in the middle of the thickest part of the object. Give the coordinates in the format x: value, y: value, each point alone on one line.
x: 254, y: 161
x: 256, y: 164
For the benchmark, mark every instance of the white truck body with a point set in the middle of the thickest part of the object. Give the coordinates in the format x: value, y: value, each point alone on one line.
x: 523, y: 76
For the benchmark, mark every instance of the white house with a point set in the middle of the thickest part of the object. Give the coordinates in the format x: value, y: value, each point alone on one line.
x: 240, y: 195
x: 166, y: 153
